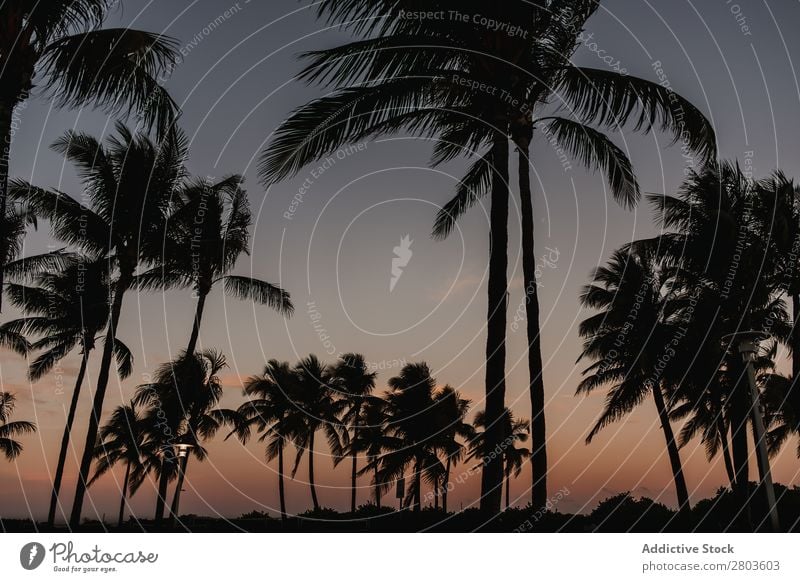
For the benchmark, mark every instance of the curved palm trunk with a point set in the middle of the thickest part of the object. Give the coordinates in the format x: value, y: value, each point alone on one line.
x: 281, y: 492
x: 535, y: 368
x: 726, y: 452
x: 99, y: 396
x: 492, y: 474
x: 311, y: 471
x: 176, y: 499
x: 65, y: 438
x: 124, y: 494
x: 446, y: 484
x: 672, y: 450
x: 6, y: 115
x: 198, y: 318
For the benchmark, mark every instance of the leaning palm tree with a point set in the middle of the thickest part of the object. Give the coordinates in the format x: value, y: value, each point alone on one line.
x: 9, y: 429
x: 207, y: 233
x: 317, y: 408
x: 129, y: 184
x: 180, y: 409
x: 123, y: 439
x: 418, y: 75
x: 354, y: 382
x: 271, y: 411
x: 60, y: 47
x: 66, y: 309
x: 626, y: 341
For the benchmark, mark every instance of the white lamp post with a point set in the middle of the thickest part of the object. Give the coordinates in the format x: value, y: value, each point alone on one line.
x: 747, y: 342
x: 183, y: 450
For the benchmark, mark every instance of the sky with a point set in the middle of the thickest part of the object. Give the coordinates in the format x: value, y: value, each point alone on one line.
x: 332, y: 246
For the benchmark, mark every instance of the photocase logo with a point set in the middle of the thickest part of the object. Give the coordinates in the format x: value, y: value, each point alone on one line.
x: 403, y: 255
x: 31, y: 555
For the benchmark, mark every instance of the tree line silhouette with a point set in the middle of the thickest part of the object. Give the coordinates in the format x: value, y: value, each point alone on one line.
x: 666, y: 308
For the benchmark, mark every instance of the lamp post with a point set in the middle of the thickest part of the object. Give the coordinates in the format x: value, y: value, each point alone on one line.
x: 747, y: 342
x: 183, y: 450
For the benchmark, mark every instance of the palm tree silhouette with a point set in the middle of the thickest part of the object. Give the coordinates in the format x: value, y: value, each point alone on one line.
x: 60, y: 47
x: 513, y: 431
x: 371, y: 440
x: 129, y: 184
x: 67, y: 309
x: 419, y: 76
x: 123, y: 439
x: 207, y: 234
x: 317, y: 408
x: 273, y: 413
x: 625, y: 340
x: 411, y: 432
x: 180, y: 409
x: 451, y: 411
x: 354, y: 382
x: 9, y: 430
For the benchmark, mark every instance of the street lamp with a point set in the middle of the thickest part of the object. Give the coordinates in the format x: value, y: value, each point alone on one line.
x: 747, y: 343
x: 183, y: 450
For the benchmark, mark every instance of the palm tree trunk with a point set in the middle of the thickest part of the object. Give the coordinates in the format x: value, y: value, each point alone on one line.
x: 436, y: 493
x: 377, y: 489
x: 198, y: 318
x: 446, y: 484
x: 6, y: 117
x: 740, y: 414
x: 417, y: 486
x: 354, y: 474
x: 281, y: 492
x: 176, y: 498
x: 99, y: 396
x: 796, y: 336
x: 62, y: 453
x: 508, y: 492
x: 672, y: 450
x: 311, y: 471
x: 492, y: 474
x: 535, y: 368
x: 726, y: 452
x: 163, y: 483
x: 124, y: 494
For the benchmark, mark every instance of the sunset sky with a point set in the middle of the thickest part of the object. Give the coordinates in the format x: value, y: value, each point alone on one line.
x: 333, y: 248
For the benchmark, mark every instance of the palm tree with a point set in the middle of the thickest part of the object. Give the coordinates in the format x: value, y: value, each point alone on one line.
x: 180, y: 410
x: 207, y: 234
x: 60, y: 47
x: 272, y: 412
x: 411, y: 432
x: 9, y: 430
x: 451, y: 410
x: 317, y: 408
x: 371, y: 440
x: 514, y: 431
x: 123, y: 439
x: 129, y: 184
x: 782, y: 410
x: 625, y: 341
x: 67, y: 309
x: 354, y: 382
x: 417, y: 75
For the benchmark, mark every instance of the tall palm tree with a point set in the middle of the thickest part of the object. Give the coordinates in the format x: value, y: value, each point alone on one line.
x: 123, y: 439
x: 273, y: 413
x: 9, y: 429
x: 354, y: 382
x: 411, y: 432
x: 207, y: 234
x: 371, y: 440
x: 180, y: 408
x: 514, y: 431
x: 317, y: 408
x: 67, y: 309
x: 60, y: 46
x: 451, y: 411
x: 633, y: 330
x: 418, y: 75
x: 129, y: 184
